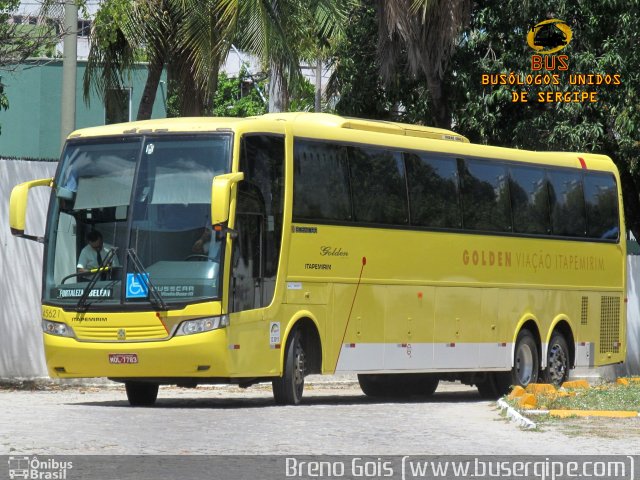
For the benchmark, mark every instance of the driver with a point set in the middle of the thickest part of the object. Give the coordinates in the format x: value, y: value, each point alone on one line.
x: 94, y: 253
x: 206, y: 245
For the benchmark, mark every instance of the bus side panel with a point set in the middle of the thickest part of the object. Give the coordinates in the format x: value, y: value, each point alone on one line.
x: 359, y: 318
x: 409, y: 327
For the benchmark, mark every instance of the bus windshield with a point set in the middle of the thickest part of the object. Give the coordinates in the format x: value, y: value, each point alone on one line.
x: 131, y: 214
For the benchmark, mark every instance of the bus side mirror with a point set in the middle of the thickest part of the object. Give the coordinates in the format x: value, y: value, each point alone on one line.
x: 221, y: 196
x: 18, y: 207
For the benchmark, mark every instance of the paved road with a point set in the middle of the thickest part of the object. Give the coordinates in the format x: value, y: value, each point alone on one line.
x: 336, y: 418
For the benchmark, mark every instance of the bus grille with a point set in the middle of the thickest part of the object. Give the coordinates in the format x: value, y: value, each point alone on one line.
x: 584, y: 312
x: 120, y: 334
x: 610, y: 325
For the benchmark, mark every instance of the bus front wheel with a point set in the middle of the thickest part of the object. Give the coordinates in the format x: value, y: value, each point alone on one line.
x: 141, y: 394
x: 287, y: 390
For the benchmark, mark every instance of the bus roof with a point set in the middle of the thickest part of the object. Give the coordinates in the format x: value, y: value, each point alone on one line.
x: 325, y: 125
x: 199, y: 124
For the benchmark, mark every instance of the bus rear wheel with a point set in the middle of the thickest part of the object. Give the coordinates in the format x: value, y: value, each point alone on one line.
x: 141, y: 394
x: 558, y: 362
x: 398, y: 385
x: 287, y: 390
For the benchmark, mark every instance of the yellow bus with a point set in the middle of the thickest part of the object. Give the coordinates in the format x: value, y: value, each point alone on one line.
x: 222, y: 250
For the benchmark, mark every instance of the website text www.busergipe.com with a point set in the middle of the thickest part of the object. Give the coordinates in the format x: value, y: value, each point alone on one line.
x: 409, y: 468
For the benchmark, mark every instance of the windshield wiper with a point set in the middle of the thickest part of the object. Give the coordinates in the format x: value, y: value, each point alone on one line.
x: 155, y: 298
x: 82, y: 302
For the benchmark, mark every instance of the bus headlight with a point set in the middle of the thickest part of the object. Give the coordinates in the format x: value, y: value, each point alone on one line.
x: 56, y: 328
x: 202, y: 325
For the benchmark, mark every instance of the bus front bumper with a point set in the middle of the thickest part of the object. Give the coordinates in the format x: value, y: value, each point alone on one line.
x: 199, y: 355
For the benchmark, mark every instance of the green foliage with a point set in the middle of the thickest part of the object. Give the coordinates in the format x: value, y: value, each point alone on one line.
x: 238, y: 97
x: 4, y: 101
x: 245, y: 96
x: 19, y: 42
x: 6, y: 7
x: 302, y: 97
x: 606, y: 397
x: 604, y: 34
x: 604, y: 42
x: 173, y: 100
x: 357, y: 82
x: 108, y: 22
x: 356, y: 79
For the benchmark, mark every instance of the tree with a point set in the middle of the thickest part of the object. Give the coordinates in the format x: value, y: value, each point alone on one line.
x: 127, y: 31
x: 19, y: 42
x: 191, y: 38
x: 281, y: 34
x: 605, y: 35
x: 357, y: 81
x: 424, y: 32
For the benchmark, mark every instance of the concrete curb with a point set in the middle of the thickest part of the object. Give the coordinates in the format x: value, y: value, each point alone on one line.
x: 515, y: 416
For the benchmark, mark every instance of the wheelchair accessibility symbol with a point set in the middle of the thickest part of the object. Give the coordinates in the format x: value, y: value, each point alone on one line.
x: 136, y: 285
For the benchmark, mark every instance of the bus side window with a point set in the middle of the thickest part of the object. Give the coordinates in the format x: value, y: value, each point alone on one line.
x: 601, y: 198
x: 485, y: 196
x: 566, y: 198
x: 262, y: 162
x: 246, y: 261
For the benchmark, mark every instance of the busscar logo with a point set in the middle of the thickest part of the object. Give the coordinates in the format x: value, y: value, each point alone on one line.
x: 549, y: 36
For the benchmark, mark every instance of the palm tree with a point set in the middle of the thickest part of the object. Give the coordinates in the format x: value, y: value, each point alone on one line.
x: 191, y: 39
x: 427, y: 31
x: 280, y: 33
x: 126, y: 31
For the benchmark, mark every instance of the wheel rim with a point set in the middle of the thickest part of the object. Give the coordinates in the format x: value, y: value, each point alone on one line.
x: 524, y: 364
x: 557, y: 364
x: 298, y: 370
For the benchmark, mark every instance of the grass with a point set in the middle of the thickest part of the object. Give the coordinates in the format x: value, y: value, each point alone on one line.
x: 608, y: 397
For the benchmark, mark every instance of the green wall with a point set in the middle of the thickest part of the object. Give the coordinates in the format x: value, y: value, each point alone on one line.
x: 31, y: 125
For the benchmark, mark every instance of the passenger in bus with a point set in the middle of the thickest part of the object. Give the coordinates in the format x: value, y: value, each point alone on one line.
x: 93, y: 254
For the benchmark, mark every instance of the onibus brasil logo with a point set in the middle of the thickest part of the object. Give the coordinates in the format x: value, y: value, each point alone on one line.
x: 37, y: 469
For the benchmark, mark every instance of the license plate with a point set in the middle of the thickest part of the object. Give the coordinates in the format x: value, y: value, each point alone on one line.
x: 123, y: 358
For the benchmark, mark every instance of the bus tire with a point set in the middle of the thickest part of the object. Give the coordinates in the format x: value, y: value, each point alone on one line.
x: 526, y: 360
x: 287, y: 390
x: 494, y: 385
x: 141, y: 394
x: 487, y: 387
x: 372, y: 385
x: 558, y: 360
